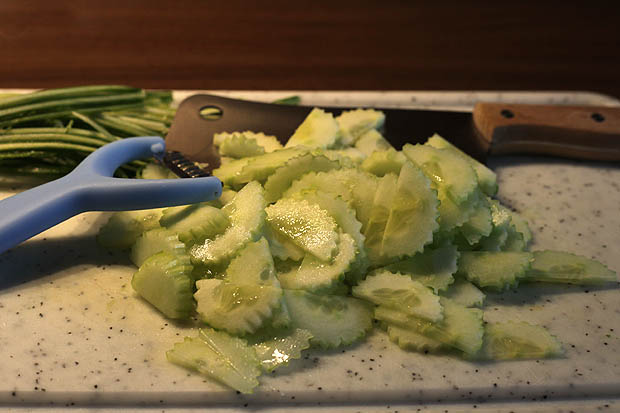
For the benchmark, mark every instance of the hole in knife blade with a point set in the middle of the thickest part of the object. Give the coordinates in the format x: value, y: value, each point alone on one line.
x: 597, y: 117
x: 507, y: 113
x: 211, y: 112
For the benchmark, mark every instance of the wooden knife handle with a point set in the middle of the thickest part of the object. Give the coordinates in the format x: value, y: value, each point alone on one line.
x: 579, y: 132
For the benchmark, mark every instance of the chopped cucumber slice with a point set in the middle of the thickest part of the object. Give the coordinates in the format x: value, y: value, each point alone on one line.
x: 269, y: 143
x: 332, y: 320
x: 384, y: 162
x: 494, y: 270
x: 294, y: 168
x: 246, y: 216
x: 372, y: 141
x: 166, y: 281
x: 253, y: 265
x: 413, y: 215
x: 309, y: 226
x: 465, y: 293
x: 238, y: 145
x: 460, y: 328
x: 236, y: 308
x: 281, y: 246
x: 400, y: 292
x: 153, y: 241
x: 487, y: 180
x: 518, y: 340
x: 155, y: 171
x: 410, y: 340
x: 280, y: 347
x: 219, y: 356
x: 480, y: 223
x: 433, y: 267
x: 194, y: 223
x: 318, y: 130
x: 355, y: 123
x: 124, y: 227
x: 314, y: 274
x: 564, y: 267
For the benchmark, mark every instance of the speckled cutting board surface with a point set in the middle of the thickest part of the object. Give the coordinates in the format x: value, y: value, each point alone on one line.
x: 73, y: 333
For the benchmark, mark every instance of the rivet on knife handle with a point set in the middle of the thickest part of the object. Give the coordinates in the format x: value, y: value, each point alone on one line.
x: 579, y: 132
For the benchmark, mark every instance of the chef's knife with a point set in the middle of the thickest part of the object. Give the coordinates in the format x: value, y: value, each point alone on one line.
x: 580, y: 132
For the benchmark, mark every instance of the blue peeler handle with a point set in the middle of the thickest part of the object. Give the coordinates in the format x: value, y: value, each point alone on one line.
x: 91, y: 187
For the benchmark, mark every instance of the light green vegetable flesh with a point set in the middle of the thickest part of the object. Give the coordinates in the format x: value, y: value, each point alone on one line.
x: 313, y: 243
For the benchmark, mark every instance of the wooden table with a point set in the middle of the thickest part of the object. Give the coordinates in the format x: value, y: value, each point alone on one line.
x: 285, y: 45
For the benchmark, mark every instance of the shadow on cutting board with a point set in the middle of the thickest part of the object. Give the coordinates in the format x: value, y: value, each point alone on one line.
x: 44, y: 258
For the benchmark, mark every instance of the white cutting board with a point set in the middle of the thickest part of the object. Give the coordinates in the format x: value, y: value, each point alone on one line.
x: 73, y: 333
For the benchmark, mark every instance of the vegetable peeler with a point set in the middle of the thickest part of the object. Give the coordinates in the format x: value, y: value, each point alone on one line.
x: 91, y: 187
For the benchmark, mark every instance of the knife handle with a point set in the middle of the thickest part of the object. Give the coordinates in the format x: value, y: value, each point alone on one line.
x: 579, y: 132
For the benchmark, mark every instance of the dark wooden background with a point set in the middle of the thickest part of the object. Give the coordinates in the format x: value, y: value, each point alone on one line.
x: 341, y: 45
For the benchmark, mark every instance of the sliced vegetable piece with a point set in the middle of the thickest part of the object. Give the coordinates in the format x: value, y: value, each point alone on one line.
x: 487, y: 180
x: 153, y: 241
x: 383, y: 162
x: 400, y: 292
x: 194, y: 223
x: 565, y: 267
x: 518, y: 340
x: 372, y: 141
x: 309, y: 226
x: 460, y: 328
x: 379, y: 215
x: 433, y: 267
x: 314, y: 274
x: 166, y: 282
x: 354, y: 123
x: 280, y: 347
x: 332, y: 320
x: 247, y: 217
x: 236, y: 308
x: 219, y: 356
x: 408, y: 339
x: 465, y: 293
x: 253, y: 265
x: 318, y: 130
x: 413, y: 215
x: 294, y: 168
x: 494, y: 270
x: 238, y: 145
x: 124, y: 227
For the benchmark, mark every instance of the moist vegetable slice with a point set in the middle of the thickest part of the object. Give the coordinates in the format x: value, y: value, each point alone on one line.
x: 465, y: 293
x: 318, y: 130
x: 400, y: 292
x: 433, y: 267
x: 354, y: 123
x: 309, y: 226
x: 408, y: 339
x: 277, y: 348
x: 383, y: 162
x: 165, y: 281
x: 124, y: 227
x: 331, y: 319
x: 237, y: 308
x: 495, y: 270
x: 268, y: 143
x: 487, y: 180
x: 314, y: 274
x: 460, y: 328
x: 565, y: 267
x: 229, y: 360
x: 194, y: 223
x: 238, y: 145
x: 372, y: 141
x: 153, y: 241
x: 281, y: 179
x: 379, y: 215
x: 253, y: 265
x: 413, y: 215
x: 518, y: 340
x: 246, y: 214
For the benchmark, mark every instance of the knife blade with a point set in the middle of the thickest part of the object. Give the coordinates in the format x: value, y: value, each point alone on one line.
x: 579, y: 132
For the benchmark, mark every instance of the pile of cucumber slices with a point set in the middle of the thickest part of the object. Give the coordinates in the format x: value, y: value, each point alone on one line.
x: 317, y: 242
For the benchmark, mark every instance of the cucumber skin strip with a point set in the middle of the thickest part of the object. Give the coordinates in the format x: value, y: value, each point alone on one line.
x: 58, y: 130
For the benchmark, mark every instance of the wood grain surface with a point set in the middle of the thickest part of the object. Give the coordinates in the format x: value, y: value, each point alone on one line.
x: 339, y: 45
